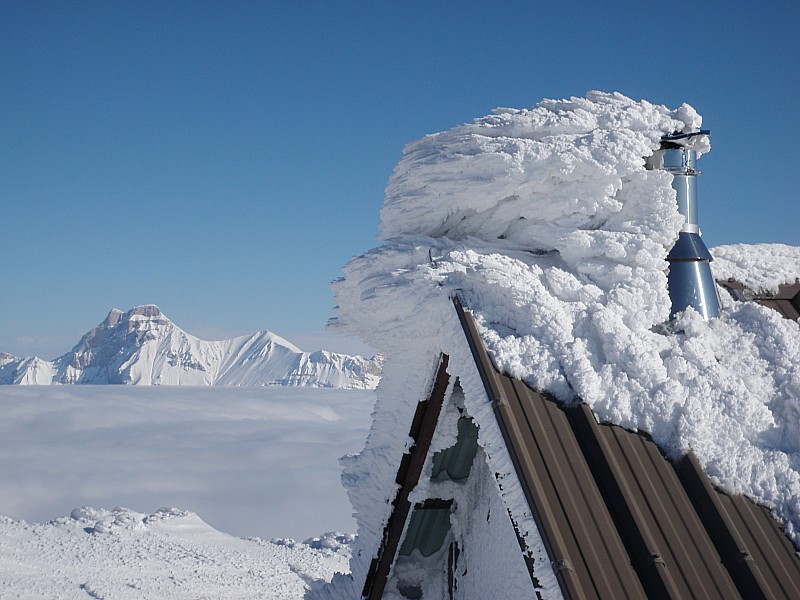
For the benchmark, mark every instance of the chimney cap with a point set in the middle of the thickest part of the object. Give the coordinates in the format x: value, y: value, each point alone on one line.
x: 679, y: 139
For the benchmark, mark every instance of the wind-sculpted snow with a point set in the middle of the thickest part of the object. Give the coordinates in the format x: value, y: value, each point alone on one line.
x: 547, y: 226
x: 529, y: 176
x: 143, y: 347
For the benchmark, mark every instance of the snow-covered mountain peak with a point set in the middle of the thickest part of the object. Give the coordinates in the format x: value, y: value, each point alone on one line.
x: 273, y: 339
x: 142, y: 346
x: 143, y: 312
x: 113, y: 343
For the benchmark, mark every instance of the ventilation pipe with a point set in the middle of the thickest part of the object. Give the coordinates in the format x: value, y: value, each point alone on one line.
x: 690, y: 280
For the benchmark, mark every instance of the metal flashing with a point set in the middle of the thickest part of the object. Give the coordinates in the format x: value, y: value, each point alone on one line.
x: 689, y: 246
x: 408, y: 474
x: 786, y: 301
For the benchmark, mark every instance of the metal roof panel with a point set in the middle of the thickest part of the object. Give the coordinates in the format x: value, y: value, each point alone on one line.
x: 613, y: 512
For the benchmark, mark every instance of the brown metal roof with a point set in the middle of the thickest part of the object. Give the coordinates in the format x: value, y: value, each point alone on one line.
x: 582, y: 541
x: 786, y: 301
x: 759, y: 557
x: 616, y: 518
x: 665, y: 538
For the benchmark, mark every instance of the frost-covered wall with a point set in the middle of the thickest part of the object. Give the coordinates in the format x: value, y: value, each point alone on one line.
x: 548, y: 226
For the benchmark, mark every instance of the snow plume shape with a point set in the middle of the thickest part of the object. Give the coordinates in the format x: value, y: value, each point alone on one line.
x: 529, y: 176
x: 547, y: 225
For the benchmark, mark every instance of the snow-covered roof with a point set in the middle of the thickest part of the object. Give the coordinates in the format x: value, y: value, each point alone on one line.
x: 615, y: 514
x: 547, y: 225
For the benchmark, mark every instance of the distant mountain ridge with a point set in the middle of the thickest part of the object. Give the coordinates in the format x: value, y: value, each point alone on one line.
x: 143, y: 347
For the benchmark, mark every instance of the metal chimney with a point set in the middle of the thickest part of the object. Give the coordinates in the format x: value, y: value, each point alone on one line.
x: 690, y: 280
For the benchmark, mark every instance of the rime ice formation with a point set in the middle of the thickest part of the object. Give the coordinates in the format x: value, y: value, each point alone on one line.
x: 143, y: 347
x: 548, y: 227
x: 760, y: 267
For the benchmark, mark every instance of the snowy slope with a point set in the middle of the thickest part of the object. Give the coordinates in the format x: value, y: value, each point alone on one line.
x: 143, y: 347
x: 25, y: 371
x: 96, y: 553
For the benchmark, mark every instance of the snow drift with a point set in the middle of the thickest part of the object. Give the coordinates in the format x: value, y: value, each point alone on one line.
x: 143, y: 347
x: 547, y: 225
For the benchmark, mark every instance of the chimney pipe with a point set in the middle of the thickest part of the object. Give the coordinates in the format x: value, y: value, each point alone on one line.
x: 690, y: 280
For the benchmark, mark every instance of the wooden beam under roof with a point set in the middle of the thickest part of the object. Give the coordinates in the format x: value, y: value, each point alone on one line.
x: 408, y: 474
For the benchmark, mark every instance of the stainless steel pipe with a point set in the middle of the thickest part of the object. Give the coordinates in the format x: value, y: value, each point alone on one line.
x: 690, y: 280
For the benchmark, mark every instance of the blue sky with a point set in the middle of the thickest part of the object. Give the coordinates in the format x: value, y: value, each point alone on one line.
x: 224, y: 159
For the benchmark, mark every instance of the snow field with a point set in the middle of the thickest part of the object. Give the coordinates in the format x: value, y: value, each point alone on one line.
x: 96, y: 553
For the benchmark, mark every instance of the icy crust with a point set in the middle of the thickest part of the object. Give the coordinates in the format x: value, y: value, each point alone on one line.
x: 369, y: 476
x: 760, y: 267
x: 399, y: 300
x: 528, y: 175
x: 548, y: 227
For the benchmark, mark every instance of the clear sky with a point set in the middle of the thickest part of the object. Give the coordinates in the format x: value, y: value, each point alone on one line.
x: 224, y: 159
